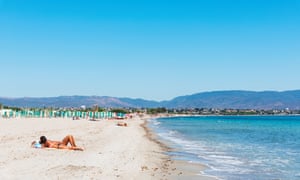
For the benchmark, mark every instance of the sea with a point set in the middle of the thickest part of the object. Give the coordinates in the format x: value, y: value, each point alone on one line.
x: 235, y: 147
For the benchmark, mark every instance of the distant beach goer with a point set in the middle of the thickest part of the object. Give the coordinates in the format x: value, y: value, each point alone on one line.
x: 45, y: 143
x: 121, y: 124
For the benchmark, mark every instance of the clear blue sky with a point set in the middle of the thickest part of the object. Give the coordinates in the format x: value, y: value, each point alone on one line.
x: 155, y: 49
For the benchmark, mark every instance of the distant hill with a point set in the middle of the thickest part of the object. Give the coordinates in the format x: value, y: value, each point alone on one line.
x: 214, y: 99
x: 238, y: 100
x: 77, y: 101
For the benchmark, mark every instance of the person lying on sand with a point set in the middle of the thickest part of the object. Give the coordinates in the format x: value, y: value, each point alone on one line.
x: 44, y: 143
x: 121, y: 124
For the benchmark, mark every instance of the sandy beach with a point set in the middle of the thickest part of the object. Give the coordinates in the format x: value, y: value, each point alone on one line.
x: 111, y: 151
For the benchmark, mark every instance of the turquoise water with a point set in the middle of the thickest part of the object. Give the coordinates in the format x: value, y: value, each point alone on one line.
x: 236, y: 147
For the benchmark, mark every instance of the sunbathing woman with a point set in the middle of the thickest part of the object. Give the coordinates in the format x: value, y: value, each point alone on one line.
x: 44, y: 143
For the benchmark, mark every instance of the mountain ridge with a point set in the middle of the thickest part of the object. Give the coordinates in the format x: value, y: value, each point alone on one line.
x: 235, y: 99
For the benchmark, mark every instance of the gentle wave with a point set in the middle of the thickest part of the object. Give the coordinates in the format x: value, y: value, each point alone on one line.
x: 236, y: 147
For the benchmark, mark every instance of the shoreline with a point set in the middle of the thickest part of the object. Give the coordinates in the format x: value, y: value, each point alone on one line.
x: 229, y: 154
x: 110, y: 151
x: 177, y: 169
